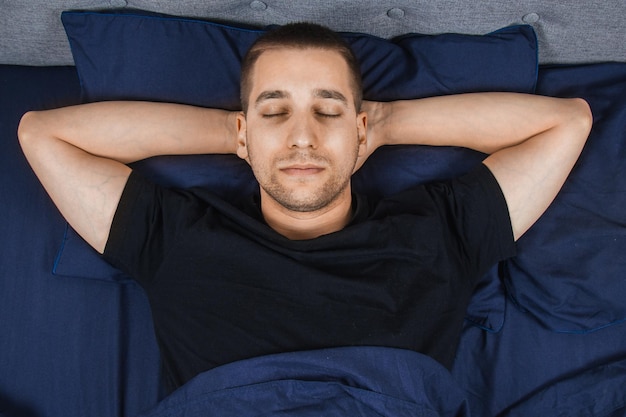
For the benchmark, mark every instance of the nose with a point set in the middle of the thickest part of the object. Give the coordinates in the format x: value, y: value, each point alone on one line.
x: 303, y: 133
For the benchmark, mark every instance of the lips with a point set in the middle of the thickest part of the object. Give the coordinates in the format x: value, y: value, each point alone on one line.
x: 302, y: 170
x: 302, y: 164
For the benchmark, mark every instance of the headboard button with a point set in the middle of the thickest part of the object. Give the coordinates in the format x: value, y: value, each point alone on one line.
x: 531, y: 18
x: 395, y: 13
x: 258, y: 5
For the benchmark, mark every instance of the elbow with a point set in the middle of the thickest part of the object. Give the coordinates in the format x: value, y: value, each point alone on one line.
x: 33, y: 132
x: 582, y: 117
x: 34, y: 137
x: 575, y: 129
x: 574, y: 124
x: 27, y: 130
x: 24, y: 127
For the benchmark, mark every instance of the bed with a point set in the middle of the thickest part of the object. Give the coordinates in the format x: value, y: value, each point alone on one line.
x: 545, y: 333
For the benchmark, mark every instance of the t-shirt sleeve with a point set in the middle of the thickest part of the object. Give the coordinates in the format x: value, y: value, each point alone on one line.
x: 475, y: 209
x: 146, y: 224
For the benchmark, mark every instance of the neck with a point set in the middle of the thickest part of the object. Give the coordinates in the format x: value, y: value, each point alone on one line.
x: 307, y: 225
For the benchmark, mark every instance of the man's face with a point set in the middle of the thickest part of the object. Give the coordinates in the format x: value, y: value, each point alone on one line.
x: 302, y: 134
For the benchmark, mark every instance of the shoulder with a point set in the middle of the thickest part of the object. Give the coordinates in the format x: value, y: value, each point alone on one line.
x: 146, y: 204
x: 469, y: 213
x: 478, y: 186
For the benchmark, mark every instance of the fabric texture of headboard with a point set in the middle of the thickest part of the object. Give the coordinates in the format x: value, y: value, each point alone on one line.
x: 568, y: 32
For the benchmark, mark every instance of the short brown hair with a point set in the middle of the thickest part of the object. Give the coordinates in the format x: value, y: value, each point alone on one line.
x: 300, y: 36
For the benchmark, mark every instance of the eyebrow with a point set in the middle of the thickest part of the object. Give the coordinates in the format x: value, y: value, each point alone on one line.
x: 331, y: 94
x: 318, y: 93
x: 270, y: 95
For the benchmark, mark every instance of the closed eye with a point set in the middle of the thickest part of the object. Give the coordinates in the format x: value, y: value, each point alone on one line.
x: 273, y: 115
x: 329, y: 115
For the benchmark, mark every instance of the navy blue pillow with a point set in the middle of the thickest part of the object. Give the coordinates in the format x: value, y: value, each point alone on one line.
x: 147, y: 57
x: 141, y: 56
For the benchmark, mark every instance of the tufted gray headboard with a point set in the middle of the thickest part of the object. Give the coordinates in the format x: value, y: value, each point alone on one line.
x: 569, y: 31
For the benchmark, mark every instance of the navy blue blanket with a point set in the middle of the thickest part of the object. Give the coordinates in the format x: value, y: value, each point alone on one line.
x: 355, y: 381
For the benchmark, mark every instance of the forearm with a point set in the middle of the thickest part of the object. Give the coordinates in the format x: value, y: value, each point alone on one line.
x: 486, y: 122
x: 130, y: 131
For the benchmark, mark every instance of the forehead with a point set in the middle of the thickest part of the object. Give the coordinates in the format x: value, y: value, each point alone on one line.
x: 281, y: 68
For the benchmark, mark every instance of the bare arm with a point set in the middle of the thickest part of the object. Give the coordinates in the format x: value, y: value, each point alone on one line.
x: 533, y: 141
x: 79, y: 153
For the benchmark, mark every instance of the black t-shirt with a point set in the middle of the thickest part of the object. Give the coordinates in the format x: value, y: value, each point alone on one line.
x: 224, y: 286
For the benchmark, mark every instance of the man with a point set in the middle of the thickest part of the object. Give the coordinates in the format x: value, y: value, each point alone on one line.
x: 305, y: 264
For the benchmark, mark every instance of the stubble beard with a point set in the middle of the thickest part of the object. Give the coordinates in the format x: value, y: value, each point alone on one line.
x: 315, y: 200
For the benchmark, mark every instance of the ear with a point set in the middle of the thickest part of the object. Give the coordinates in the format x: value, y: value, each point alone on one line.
x: 365, y: 149
x: 242, y: 136
x: 361, y: 126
